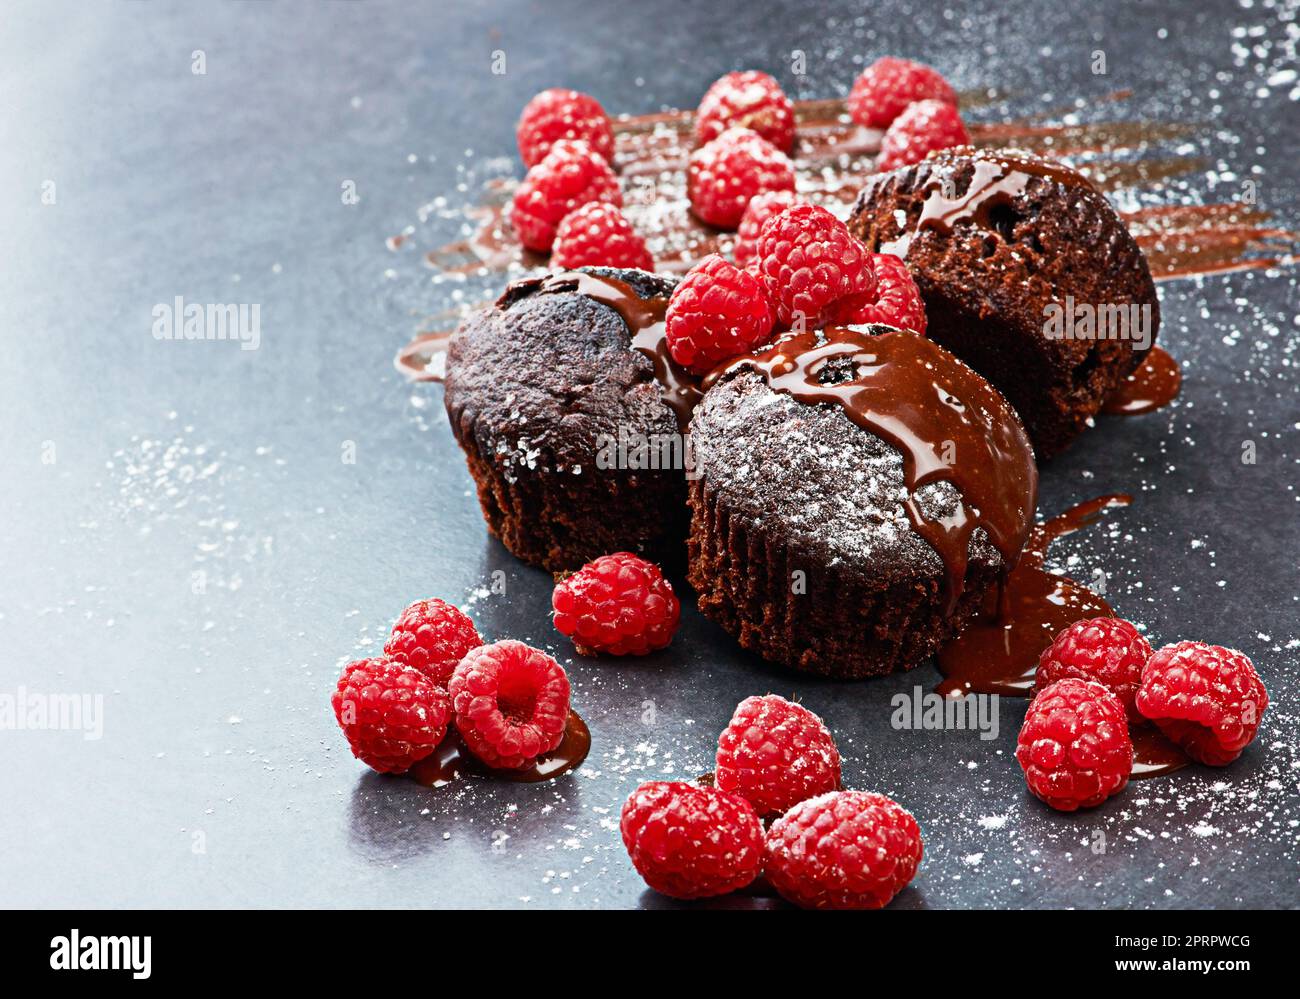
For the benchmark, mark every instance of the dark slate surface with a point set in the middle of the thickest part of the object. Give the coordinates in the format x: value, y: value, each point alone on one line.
x: 183, y: 537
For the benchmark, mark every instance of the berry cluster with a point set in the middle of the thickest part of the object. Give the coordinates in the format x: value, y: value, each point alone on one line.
x: 915, y: 106
x: 509, y: 702
x: 740, y: 175
x: 803, y: 270
x: 569, y: 204
x: 826, y: 849
x: 1099, y: 677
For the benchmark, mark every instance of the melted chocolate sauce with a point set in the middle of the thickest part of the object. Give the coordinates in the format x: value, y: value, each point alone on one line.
x: 998, y: 179
x: 1153, y: 754
x: 998, y: 653
x: 645, y: 319
x: 1188, y: 240
x: 948, y: 423
x: 1152, y: 386
x: 834, y: 158
x: 424, y: 359
x: 452, y: 759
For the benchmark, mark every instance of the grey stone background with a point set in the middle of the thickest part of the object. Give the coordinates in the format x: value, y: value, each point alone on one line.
x: 182, y: 537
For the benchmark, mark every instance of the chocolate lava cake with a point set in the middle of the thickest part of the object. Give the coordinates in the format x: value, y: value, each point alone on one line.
x: 860, y: 489
x: 993, y: 238
x: 538, y: 385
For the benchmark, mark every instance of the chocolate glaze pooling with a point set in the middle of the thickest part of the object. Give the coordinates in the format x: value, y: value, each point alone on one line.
x: 998, y: 654
x: 999, y: 178
x: 452, y: 759
x: 1152, y: 386
x: 1154, y: 755
x: 645, y: 320
x: 948, y: 423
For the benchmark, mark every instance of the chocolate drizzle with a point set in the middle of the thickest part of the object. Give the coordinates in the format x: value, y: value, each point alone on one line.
x: 1152, y: 386
x: 834, y: 158
x: 424, y: 359
x: 998, y: 179
x: 948, y: 423
x: 998, y: 653
x: 1154, y: 755
x: 645, y: 320
x: 452, y: 759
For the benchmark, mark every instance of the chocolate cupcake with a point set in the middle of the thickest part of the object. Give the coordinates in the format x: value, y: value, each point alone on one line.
x: 859, y: 491
x: 1028, y: 275
x: 570, y: 411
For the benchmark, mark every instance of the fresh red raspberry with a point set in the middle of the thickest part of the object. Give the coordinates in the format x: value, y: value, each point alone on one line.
x: 776, y: 753
x: 897, y: 301
x: 885, y: 88
x: 843, y: 850
x: 759, y: 210
x: 392, y: 714
x: 921, y: 129
x: 689, y: 841
x: 1206, y: 698
x: 563, y: 114
x: 751, y: 100
x: 1107, y: 650
x: 511, y: 703
x: 432, y: 636
x: 735, y: 167
x: 620, y: 604
x: 599, y: 235
x: 569, y: 176
x: 716, y: 312
x: 807, y: 259
x: 1074, y: 745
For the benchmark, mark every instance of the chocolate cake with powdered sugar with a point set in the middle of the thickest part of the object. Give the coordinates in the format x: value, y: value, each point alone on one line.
x: 543, y: 383
x: 860, y: 491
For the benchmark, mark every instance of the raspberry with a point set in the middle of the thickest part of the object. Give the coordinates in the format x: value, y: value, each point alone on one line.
x: 897, y: 301
x: 433, y: 637
x: 750, y: 100
x: 1074, y: 745
x: 392, y: 714
x: 807, y: 259
x: 511, y: 703
x: 724, y: 175
x: 1206, y: 698
x: 776, y: 753
x: 885, y: 88
x: 599, y: 235
x: 689, y: 841
x: 921, y: 129
x: 620, y: 604
x: 563, y: 114
x: 1107, y: 650
x: 761, y: 208
x: 569, y: 176
x: 717, y: 312
x: 843, y: 850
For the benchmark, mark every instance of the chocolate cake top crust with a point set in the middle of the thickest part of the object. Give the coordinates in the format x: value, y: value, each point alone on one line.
x: 547, y: 373
x: 873, y: 447
x: 995, y: 237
